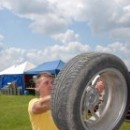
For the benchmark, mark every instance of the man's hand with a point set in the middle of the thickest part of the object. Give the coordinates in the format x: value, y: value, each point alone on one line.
x: 45, y: 101
x: 100, y: 86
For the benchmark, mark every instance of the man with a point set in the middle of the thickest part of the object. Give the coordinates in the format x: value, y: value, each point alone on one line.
x: 39, y: 108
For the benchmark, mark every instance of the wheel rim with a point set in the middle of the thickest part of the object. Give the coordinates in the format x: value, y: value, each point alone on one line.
x: 103, y: 110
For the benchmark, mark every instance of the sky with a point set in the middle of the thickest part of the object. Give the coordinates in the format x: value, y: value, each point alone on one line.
x: 43, y: 30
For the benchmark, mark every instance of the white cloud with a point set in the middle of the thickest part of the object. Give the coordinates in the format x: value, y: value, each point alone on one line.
x: 114, y: 48
x: 121, y: 33
x: 119, y: 49
x: 54, y: 16
x: 49, y: 24
x: 43, y: 14
x: 24, y: 7
x: 68, y: 36
x: 64, y: 52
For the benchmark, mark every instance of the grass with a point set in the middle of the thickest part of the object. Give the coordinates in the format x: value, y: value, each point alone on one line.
x: 125, y: 126
x: 14, y: 115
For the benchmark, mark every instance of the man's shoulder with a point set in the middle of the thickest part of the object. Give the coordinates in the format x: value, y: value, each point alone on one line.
x: 31, y: 103
x: 34, y: 100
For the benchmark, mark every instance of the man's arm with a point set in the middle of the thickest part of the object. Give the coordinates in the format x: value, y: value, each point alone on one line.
x: 41, y: 106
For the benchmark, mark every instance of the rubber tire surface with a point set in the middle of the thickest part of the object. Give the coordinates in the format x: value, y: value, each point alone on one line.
x: 69, y: 85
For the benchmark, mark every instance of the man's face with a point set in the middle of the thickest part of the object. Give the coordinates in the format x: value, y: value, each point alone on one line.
x: 44, y: 85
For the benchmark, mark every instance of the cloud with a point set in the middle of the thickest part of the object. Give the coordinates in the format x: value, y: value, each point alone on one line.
x: 68, y: 36
x: 49, y: 24
x: 54, y: 16
x: 121, y: 34
x: 60, y: 51
x: 117, y: 48
x: 65, y: 52
x: 43, y: 15
x: 69, y: 48
x: 24, y: 8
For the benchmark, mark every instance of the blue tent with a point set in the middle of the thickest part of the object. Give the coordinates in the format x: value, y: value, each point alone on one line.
x: 53, y: 67
x: 14, y: 74
x: 8, y: 78
x: 18, y: 78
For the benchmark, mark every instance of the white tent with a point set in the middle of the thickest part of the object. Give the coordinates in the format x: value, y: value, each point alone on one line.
x: 9, y: 70
x: 18, y: 68
x: 15, y: 73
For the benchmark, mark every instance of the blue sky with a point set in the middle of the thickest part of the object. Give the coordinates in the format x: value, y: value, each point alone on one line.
x: 17, y: 33
x: 45, y: 30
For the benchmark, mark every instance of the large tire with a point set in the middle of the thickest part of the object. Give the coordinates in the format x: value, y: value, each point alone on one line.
x: 76, y: 103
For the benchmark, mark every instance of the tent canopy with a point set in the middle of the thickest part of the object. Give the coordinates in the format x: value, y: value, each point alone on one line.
x: 17, y: 69
x: 53, y: 67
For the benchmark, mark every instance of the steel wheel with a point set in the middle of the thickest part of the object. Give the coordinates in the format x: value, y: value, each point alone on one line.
x: 96, y: 106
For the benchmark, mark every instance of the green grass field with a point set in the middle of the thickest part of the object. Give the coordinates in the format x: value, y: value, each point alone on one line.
x: 14, y: 115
